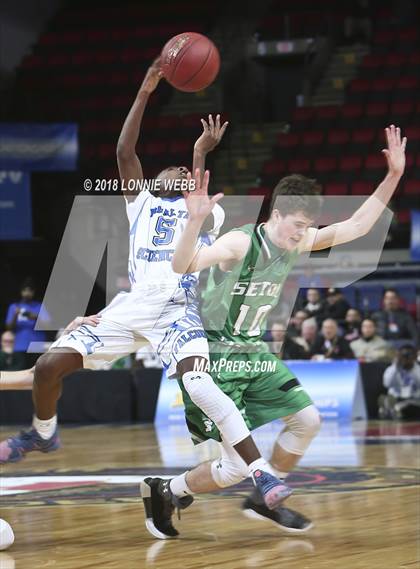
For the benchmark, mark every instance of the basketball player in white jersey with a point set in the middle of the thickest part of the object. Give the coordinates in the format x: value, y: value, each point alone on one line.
x: 160, y: 308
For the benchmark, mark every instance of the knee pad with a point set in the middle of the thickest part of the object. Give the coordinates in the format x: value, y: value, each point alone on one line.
x: 207, y: 395
x: 227, y: 471
x: 216, y: 405
x: 300, y: 429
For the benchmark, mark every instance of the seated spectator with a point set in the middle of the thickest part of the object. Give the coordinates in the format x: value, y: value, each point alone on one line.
x: 308, y: 335
x: 351, y: 326
x: 336, y: 306
x: 10, y: 360
x: 402, y: 380
x: 370, y: 347
x: 394, y: 323
x: 314, y: 304
x: 295, y: 325
x: 329, y: 345
x: 22, y: 316
x: 282, y: 345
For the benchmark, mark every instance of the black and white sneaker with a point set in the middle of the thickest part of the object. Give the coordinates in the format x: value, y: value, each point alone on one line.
x: 159, y: 505
x: 284, y: 518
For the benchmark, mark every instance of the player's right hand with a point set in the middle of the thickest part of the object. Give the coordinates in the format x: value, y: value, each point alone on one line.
x: 198, y: 202
x: 153, y: 76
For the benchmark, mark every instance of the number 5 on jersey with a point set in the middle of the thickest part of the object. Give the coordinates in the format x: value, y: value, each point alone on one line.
x: 165, y: 231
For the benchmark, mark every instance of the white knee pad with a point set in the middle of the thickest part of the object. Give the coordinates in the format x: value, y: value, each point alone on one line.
x: 216, y: 405
x: 300, y: 429
x: 230, y: 469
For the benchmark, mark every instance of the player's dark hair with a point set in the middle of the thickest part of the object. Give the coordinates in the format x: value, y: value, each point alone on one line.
x: 305, y: 193
x: 394, y: 290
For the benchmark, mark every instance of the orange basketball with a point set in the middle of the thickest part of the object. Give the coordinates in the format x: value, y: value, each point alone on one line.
x: 190, y: 61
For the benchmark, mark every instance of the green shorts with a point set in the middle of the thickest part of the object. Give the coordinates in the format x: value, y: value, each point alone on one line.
x: 261, y: 386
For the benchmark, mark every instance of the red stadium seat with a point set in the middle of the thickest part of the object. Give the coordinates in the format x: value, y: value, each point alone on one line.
x: 327, y: 164
x: 361, y: 188
x: 335, y: 189
x: 401, y: 110
x: 350, y: 163
x: 362, y: 139
x: 288, y: 141
x: 403, y: 215
x: 338, y: 137
x: 299, y: 166
x: 312, y: 138
x: 274, y: 168
x: 259, y: 191
x: 375, y: 161
x: 412, y: 187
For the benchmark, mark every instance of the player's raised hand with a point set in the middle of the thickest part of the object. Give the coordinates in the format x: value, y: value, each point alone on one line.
x: 199, y: 203
x: 212, y: 134
x: 395, y: 151
x: 153, y: 76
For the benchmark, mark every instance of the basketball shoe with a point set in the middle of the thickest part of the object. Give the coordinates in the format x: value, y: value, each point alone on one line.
x: 273, y: 491
x: 159, y: 505
x: 284, y: 518
x: 15, y: 448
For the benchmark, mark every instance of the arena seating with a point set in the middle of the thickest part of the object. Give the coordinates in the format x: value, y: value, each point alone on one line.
x: 341, y: 145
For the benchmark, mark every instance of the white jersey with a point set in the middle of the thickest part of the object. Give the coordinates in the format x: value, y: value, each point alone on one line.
x: 156, y: 225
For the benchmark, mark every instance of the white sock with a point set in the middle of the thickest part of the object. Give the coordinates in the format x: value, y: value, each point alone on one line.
x: 179, y: 486
x: 260, y: 464
x: 45, y: 428
x: 280, y: 475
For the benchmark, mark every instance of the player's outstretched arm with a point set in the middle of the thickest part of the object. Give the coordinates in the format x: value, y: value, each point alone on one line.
x: 211, y: 136
x: 226, y: 250
x: 362, y: 221
x: 23, y: 379
x: 129, y: 165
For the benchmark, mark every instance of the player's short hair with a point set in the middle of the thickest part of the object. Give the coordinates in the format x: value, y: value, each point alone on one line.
x: 305, y: 192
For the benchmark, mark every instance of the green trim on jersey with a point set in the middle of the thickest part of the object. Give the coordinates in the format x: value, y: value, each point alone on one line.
x: 236, y: 303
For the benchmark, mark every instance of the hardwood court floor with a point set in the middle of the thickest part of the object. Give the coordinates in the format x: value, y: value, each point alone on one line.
x: 79, y: 508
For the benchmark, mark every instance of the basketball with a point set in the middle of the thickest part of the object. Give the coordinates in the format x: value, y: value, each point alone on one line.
x: 190, y: 62
x: 7, y: 536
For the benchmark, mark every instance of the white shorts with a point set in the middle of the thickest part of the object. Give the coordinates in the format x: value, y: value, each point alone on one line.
x: 170, y: 323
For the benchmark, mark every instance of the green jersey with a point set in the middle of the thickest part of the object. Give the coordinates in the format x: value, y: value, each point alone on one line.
x: 236, y: 303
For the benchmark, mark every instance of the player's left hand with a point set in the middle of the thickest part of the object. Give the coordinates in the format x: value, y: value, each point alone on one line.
x: 199, y: 203
x: 395, y: 153
x: 212, y: 134
x: 92, y: 320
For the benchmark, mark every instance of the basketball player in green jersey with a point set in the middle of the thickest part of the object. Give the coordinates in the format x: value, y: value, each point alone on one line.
x: 248, y: 268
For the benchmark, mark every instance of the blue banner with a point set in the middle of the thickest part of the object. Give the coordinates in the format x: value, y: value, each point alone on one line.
x: 32, y: 147
x: 334, y: 386
x: 15, y: 206
x: 415, y: 234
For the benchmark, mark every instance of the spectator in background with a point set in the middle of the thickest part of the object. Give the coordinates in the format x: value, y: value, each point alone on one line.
x: 283, y: 346
x: 394, y: 323
x: 10, y: 360
x: 296, y: 323
x: 336, y: 306
x: 402, y: 380
x: 329, y: 345
x: 21, y: 318
x: 314, y: 304
x: 308, y: 335
x: 370, y: 347
x: 351, y: 326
